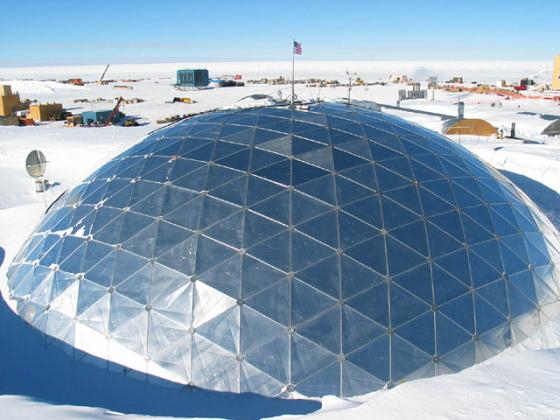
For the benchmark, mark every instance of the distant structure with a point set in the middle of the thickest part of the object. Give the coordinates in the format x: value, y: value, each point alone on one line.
x: 469, y: 127
x: 100, y: 81
x: 193, y: 77
x: 9, y: 102
x: 415, y: 93
x: 456, y: 79
x: 501, y: 84
x: 432, y: 82
x: 460, y: 110
x: 74, y: 120
x: 46, y: 112
x: 99, y: 117
x: 395, y: 78
x: 74, y: 81
x: 226, y: 81
x: 556, y: 74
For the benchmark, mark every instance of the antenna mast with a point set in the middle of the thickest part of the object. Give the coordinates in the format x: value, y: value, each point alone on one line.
x: 349, y: 85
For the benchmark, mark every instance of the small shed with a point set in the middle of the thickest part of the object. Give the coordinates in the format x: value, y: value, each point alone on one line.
x: 469, y: 127
x: 74, y: 120
x: 553, y: 129
x: 193, y: 77
x: 46, y: 112
x: 99, y: 117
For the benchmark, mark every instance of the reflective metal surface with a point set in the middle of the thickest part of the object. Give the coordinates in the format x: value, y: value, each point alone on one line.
x: 272, y: 250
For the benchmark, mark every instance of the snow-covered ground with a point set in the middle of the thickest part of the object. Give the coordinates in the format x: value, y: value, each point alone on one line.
x: 481, y: 71
x: 39, y: 381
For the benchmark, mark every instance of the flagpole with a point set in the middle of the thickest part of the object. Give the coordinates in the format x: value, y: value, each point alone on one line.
x: 293, y: 69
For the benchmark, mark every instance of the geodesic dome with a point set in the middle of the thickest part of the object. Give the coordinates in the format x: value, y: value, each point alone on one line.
x: 331, y: 250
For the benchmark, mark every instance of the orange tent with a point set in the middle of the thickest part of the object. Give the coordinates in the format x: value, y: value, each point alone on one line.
x: 469, y: 127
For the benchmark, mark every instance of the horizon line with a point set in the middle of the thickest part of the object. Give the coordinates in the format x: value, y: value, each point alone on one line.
x: 101, y: 63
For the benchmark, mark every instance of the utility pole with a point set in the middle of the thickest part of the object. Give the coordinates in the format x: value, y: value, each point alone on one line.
x: 349, y: 85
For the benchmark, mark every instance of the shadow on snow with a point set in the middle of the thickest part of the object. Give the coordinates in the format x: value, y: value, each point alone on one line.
x: 43, y: 369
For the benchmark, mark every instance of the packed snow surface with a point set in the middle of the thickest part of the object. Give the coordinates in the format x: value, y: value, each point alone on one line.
x: 42, y: 381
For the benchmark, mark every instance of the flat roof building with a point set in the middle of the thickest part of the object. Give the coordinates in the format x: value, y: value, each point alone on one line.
x: 193, y: 77
x: 46, y: 112
x: 9, y: 102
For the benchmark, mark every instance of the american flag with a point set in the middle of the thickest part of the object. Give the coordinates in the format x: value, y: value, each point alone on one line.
x: 297, y: 48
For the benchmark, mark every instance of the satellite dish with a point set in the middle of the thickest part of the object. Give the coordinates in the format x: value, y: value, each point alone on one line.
x: 36, y: 164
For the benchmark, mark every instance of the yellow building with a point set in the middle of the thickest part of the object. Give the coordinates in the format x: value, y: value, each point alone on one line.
x: 556, y: 74
x: 74, y: 120
x: 9, y: 102
x: 46, y: 112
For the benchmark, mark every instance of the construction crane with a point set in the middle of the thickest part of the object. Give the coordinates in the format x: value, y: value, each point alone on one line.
x: 114, y: 111
x: 103, y: 75
x: 543, y: 75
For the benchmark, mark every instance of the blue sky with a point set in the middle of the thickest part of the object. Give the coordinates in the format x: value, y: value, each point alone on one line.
x: 63, y: 32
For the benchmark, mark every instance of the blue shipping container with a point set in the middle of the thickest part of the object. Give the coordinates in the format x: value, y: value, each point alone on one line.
x: 193, y: 77
x: 91, y: 117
